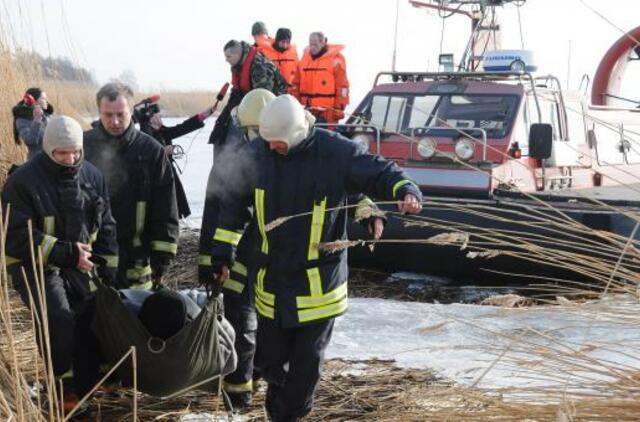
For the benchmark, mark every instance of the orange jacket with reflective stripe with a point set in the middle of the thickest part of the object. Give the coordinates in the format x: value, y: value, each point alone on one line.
x: 322, y: 82
x: 287, y: 61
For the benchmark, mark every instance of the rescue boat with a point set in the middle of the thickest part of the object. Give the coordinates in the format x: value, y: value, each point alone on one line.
x: 502, y: 153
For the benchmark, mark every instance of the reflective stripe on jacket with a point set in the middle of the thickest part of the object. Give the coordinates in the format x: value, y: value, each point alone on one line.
x: 295, y: 281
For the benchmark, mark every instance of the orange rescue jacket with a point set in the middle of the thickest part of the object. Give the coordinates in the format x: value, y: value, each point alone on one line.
x: 322, y: 82
x: 287, y: 61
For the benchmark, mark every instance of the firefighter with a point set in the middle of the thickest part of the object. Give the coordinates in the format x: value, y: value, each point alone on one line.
x: 284, y: 55
x: 322, y: 85
x: 141, y: 188
x: 66, y: 200
x: 299, y: 289
x: 238, y: 295
x: 249, y: 70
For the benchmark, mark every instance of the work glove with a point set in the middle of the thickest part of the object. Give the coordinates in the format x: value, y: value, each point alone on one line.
x: 213, y: 283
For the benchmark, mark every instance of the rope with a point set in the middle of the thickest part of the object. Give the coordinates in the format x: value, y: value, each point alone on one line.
x: 610, y: 22
x: 520, y: 24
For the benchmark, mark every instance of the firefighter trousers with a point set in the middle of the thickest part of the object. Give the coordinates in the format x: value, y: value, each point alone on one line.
x: 240, y: 312
x: 75, y: 350
x: 290, y: 360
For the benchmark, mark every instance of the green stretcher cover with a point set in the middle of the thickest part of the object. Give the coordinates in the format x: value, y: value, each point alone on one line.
x: 203, y: 349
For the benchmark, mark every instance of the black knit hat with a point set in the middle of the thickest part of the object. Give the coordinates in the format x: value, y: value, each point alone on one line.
x: 283, y: 34
x: 34, y: 92
x: 164, y: 314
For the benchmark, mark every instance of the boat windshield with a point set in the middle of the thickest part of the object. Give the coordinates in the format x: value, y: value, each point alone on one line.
x: 402, y: 113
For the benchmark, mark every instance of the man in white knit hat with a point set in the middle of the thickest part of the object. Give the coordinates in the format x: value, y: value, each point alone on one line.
x: 299, y: 289
x: 66, y: 201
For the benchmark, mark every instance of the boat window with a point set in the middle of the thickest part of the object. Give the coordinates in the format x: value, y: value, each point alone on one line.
x: 421, y: 110
x: 494, y: 113
x: 550, y: 114
x: 387, y: 112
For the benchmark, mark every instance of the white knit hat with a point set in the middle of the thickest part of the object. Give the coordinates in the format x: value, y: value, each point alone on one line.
x: 61, y: 132
x: 284, y: 119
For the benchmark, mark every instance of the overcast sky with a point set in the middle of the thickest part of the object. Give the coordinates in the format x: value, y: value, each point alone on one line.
x: 178, y: 44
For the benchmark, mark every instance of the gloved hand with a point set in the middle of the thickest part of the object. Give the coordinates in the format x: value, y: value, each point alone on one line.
x: 108, y: 275
x: 160, y: 263
x: 219, y: 273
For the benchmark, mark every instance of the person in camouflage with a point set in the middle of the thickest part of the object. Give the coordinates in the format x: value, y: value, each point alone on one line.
x: 249, y: 70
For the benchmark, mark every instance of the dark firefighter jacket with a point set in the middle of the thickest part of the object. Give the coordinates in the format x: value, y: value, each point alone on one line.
x: 65, y: 206
x: 296, y: 282
x: 143, y: 199
x: 253, y: 71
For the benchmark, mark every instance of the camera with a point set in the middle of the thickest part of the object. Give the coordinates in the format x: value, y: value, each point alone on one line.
x: 144, y: 110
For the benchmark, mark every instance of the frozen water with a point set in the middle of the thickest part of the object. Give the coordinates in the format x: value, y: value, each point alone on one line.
x: 460, y: 342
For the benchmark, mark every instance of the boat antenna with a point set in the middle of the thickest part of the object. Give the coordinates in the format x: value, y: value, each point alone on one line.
x: 395, y: 38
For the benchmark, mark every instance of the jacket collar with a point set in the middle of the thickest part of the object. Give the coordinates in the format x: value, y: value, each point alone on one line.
x: 57, y: 170
x: 123, y: 140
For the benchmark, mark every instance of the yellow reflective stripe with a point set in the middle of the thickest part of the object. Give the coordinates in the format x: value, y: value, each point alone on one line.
x: 227, y: 236
x: 259, y: 205
x: 317, y: 221
x: 317, y: 301
x: 142, y: 286
x: 112, y: 260
x: 323, y: 312
x: 93, y: 237
x: 162, y: 246
x: 48, y: 242
x: 239, y: 268
x: 315, y: 282
x: 92, y: 286
x: 262, y: 272
x: 49, y: 225
x: 238, y: 388
x: 266, y: 297
x: 204, y: 260
x: 265, y: 310
x: 364, y: 209
x: 141, y: 211
x: 398, y: 185
x: 137, y: 273
x: 234, y: 286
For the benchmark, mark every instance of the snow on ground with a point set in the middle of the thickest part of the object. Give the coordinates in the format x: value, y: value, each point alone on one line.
x: 461, y: 342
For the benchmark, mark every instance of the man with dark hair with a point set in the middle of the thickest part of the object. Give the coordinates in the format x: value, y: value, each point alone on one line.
x: 141, y: 188
x: 283, y: 54
x: 250, y: 69
x: 322, y: 85
x: 65, y: 199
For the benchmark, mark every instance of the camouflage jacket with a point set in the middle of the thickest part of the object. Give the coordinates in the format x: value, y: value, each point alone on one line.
x: 265, y: 74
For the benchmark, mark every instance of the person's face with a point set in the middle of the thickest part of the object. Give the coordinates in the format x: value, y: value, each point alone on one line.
x: 115, y: 115
x: 43, y: 101
x: 233, y: 56
x: 67, y: 156
x: 284, y: 44
x: 279, y: 147
x: 315, y: 44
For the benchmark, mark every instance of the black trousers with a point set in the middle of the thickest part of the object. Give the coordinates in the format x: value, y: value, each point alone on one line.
x: 75, y: 351
x: 239, y: 310
x: 290, y: 360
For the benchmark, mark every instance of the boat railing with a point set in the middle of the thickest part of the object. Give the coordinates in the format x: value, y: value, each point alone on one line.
x: 365, y: 126
x: 427, y: 130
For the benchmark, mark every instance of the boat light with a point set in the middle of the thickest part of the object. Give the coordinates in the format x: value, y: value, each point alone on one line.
x: 465, y: 149
x: 362, y: 141
x: 427, y: 147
